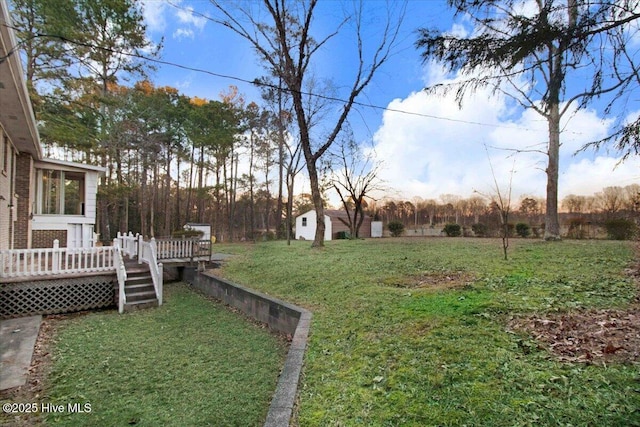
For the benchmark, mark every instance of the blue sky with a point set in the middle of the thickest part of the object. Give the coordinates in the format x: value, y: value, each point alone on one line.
x: 442, y: 150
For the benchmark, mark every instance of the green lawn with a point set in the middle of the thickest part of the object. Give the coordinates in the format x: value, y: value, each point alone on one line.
x: 414, y: 332
x: 190, y: 362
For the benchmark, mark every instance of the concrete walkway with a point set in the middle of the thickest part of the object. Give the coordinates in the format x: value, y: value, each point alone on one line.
x: 17, y: 341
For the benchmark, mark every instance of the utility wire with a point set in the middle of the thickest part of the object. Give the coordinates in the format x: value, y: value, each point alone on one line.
x: 256, y: 82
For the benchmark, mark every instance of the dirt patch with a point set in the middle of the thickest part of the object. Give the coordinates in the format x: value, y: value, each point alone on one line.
x: 432, y: 280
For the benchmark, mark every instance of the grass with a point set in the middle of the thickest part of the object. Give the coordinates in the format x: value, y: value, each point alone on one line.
x: 386, y: 351
x: 189, y: 362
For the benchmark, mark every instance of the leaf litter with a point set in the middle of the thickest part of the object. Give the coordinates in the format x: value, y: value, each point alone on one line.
x: 588, y: 336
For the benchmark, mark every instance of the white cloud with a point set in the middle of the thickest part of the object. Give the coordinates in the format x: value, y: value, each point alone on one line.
x: 181, y: 33
x: 153, y: 12
x: 425, y: 156
x: 188, y: 22
x: 186, y: 16
x: 591, y: 175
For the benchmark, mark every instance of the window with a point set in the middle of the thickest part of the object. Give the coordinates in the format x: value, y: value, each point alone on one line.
x: 61, y: 192
x: 304, y: 221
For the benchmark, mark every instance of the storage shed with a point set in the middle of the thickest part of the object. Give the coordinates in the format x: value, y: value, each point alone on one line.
x: 335, y: 222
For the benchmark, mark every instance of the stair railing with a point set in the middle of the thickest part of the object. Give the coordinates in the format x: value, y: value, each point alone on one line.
x: 129, y: 244
x: 121, y: 273
x: 149, y: 255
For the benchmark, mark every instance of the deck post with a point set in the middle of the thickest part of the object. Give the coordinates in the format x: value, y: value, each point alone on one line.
x: 138, y: 244
x: 56, y: 256
x: 160, y: 283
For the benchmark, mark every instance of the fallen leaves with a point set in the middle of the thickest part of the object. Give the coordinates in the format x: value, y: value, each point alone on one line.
x: 588, y: 336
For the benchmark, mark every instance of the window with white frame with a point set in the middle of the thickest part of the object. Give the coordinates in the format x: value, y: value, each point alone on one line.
x: 304, y: 221
x: 60, y: 192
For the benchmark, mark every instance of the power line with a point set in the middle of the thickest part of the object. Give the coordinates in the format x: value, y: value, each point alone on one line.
x: 257, y: 82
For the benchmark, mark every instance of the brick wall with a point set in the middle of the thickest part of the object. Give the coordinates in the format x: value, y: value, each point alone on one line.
x: 24, y: 190
x: 45, y: 238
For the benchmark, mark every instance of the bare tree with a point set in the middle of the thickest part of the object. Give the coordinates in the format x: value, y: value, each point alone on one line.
x: 611, y: 199
x: 286, y: 44
x: 503, y: 204
x: 632, y: 197
x: 574, y: 203
x: 354, y: 176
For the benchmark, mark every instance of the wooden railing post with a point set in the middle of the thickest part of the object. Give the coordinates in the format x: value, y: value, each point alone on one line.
x: 160, y: 283
x: 139, y: 249
x: 121, y: 273
x: 55, y: 257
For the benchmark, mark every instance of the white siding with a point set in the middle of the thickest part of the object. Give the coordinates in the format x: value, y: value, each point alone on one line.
x: 308, y: 231
x: 376, y: 228
x: 91, y: 190
x: 79, y: 228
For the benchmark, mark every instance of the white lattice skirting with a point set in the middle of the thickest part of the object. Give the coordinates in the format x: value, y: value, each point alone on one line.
x: 57, y: 296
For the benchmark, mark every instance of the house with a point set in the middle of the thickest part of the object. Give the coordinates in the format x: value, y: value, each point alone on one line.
x: 335, y: 221
x: 41, y: 200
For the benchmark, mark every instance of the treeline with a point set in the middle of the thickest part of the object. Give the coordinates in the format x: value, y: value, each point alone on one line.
x: 172, y: 160
x: 579, y: 216
x: 169, y: 159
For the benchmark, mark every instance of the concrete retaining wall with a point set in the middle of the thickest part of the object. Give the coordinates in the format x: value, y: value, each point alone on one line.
x: 279, y: 316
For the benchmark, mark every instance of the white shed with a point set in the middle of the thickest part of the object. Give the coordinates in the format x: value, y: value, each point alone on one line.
x: 335, y: 223
x: 204, y: 228
x: 306, y: 226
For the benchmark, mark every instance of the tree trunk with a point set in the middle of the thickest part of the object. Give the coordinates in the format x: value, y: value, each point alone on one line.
x: 189, y: 209
x: 252, y: 213
x: 167, y: 194
x: 178, y: 216
x: 280, y: 180
x: 201, y: 187
x: 552, y: 225
x: 318, y: 240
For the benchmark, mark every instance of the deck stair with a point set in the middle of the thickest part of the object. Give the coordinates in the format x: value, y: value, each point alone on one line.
x: 138, y: 287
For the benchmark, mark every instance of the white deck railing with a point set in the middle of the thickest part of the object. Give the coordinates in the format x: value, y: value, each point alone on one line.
x: 129, y: 244
x: 183, y: 248
x: 148, y: 254
x: 25, y: 263
x: 17, y: 263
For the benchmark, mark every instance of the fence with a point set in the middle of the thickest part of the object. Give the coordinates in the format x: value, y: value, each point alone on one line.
x: 183, y: 248
x: 17, y: 263
x: 166, y: 248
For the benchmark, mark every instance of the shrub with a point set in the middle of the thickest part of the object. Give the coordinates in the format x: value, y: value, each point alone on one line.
x: 511, y: 228
x: 396, y: 228
x: 480, y: 229
x: 577, y: 228
x: 453, y: 230
x: 537, y: 230
x: 523, y: 229
x: 620, y: 229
